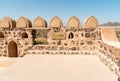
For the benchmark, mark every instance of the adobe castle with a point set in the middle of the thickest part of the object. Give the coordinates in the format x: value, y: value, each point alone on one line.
x: 21, y: 37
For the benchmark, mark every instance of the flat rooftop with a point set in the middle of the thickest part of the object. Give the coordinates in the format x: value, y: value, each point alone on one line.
x: 57, y: 68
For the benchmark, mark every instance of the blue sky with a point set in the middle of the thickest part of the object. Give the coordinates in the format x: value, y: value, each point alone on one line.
x: 103, y: 10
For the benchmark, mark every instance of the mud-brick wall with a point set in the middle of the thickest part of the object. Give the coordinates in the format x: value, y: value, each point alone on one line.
x: 15, y: 35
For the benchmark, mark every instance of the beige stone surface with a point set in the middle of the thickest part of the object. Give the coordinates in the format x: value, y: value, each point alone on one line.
x: 56, y: 62
x: 39, y: 22
x: 58, y: 68
x: 5, y: 62
x: 73, y: 22
x: 91, y: 22
x: 56, y: 22
x: 23, y: 22
x: 8, y: 22
x: 17, y: 36
x: 108, y: 34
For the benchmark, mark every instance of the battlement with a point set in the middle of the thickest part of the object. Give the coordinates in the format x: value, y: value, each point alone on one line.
x: 55, y: 22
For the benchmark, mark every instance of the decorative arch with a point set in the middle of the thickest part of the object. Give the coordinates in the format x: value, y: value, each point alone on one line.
x: 56, y: 22
x: 24, y: 35
x: 8, y: 22
x: 71, y: 35
x: 1, y: 35
x: 73, y: 22
x: 91, y: 22
x: 12, y: 49
x: 40, y: 22
x: 23, y: 22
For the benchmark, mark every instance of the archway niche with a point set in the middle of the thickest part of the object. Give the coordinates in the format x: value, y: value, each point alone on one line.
x: 70, y: 36
x: 12, y: 49
x: 24, y: 35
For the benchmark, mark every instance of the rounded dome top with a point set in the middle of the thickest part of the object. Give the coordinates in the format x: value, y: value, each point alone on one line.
x: 8, y: 22
x: 39, y: 22
x: 56, y: 22
x: 73, y: 22
x: 91, y: 22
x: 23, y: 22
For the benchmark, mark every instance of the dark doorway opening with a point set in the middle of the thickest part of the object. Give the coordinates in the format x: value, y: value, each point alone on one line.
x: 12, y: 49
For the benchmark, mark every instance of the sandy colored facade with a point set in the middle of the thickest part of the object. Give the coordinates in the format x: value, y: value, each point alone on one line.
x: 18, y: 37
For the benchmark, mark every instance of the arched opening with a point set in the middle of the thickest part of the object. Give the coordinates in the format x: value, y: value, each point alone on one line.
x: 24, y: 35
x: 1, y: 35
x: 12, y: 49
x: 87, y: 35
x: 59, y: 42
x: 70, y: 36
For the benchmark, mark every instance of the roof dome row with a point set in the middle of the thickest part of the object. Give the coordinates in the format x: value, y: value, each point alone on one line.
x: 39, y: 22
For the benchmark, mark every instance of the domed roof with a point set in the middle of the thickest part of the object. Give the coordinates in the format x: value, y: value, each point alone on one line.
x: 91, y: 22
x: 23, y: 22
x: 39, y: 22
x: 73, y: 22
x: 8, y: 22
x: 56, y: 22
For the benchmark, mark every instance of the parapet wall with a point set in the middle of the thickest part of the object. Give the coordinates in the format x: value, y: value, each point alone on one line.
x: 39, y: 22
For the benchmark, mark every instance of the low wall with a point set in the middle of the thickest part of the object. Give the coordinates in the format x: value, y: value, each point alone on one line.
x: 64, y: 52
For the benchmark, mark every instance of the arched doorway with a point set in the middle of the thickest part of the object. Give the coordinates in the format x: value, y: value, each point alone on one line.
x: 70, y: 36
x: 12, y: 49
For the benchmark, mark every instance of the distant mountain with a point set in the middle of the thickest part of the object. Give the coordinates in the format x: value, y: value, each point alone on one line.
x: 111, y: 24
